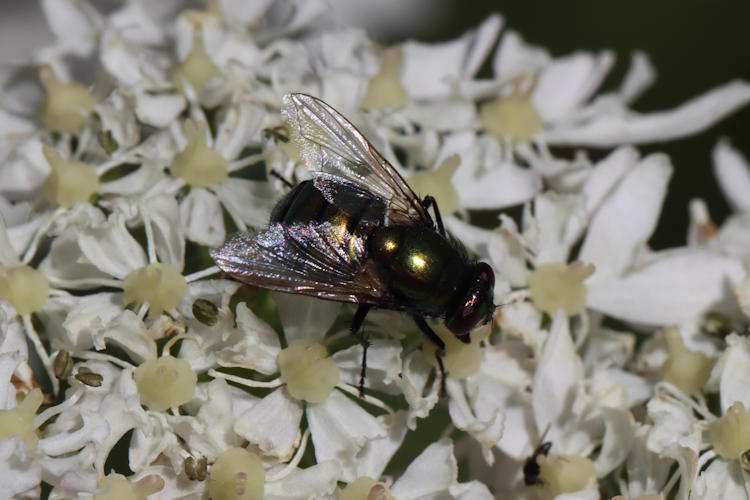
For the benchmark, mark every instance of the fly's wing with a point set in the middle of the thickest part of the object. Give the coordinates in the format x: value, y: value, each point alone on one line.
x: 318, y: 259
x: 339, y: 154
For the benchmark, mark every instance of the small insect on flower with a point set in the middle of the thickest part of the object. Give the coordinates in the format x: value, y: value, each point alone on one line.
x: 531, y: 468
x: 358, y: 233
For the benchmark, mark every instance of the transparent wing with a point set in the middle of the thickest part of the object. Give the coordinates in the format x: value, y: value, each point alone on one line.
x: 315, y: 259
x: 338, y: 153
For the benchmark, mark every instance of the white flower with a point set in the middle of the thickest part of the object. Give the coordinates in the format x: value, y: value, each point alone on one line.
x: 111, y: 194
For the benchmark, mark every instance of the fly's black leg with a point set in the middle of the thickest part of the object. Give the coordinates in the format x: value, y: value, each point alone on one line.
x: 280, y: 177
x: 439, y: 352
x: 428, y: 202
x: 359, y: 318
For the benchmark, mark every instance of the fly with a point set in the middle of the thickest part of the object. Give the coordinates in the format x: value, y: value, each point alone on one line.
x: 357, y: 233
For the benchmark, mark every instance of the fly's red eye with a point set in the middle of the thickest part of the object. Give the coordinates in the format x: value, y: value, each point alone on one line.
x: 476, y: 305
x: 465, y: 317
x: 486, y: 275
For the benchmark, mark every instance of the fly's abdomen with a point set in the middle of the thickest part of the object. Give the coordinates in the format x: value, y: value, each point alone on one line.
x: 346, y: 223
x: 422, y: 268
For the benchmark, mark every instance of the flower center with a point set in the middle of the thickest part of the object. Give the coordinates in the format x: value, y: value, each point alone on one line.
x: 307, y: 370
x: 167, y: 382
x: 554, y: 286
x: 513, y: 117
x: 69, y: 182
x: 24, y: 287
x: 198, y: 164
x: 161, y: 285
x: 237, y: 474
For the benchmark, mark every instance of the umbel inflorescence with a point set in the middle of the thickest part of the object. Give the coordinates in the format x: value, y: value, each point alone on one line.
x: 146, y: 134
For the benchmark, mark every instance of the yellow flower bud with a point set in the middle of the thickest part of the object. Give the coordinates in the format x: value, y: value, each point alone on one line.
x: 20, y: 420
x: 385, y: 89
x: 237, y: 474
x: 554, y: 286
x: 564, y: 474
x: 69, y: 182
x: 167, y: 382
x: 198, y: 164
x: 24, y: 287
x: 307, y: 370
x: 438, y: 183
x: 197, y: 68
x: 161, y: 285
x: 687, y: 370
x: 730, y: 434
x: 461, y: 360
x: 513, y: 117
x: 66, y: 105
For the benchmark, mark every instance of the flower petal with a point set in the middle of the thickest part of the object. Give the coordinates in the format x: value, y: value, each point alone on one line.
x: 676, y: 286
x: 19, y: 471
x: 503, y: 186
x: 435, y: 462
x: 272, y: 424
x: 625, y: 221
x: 317, y: 481
x: 74, y: 23
x: 733, y: 174
x: 111, y: 247
x: 305, y: 317
x: 735, y: 364
x: 514, y: 58
x: 558, y: 377
x: 340, y: 430
x: 612, y: 125
x: 568, y: 82
x: 383, y: 364
x: 640, y: 76
x: 202, y: 218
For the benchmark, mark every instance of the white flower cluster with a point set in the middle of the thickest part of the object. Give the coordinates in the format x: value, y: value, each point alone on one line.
x: 147, y: 133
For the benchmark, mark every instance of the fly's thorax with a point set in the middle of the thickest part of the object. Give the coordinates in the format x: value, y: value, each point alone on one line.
x: 422, y: 269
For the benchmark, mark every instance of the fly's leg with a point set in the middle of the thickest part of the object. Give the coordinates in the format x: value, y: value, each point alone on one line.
x: 359, y: 318
x: 428, y: 202
x: 280, y: 177
x: 439, y: 352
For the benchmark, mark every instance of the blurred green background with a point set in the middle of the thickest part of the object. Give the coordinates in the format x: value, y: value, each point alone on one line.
x: 694, y: 45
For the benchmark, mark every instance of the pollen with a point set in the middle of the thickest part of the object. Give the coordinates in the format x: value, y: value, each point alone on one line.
x: 167, y: 382
x: 564, y: 474
x: 730, y: 434
x: 237, y: 474
x: 198, y: 164
x: 390, y: 245
x: 307, y: 370
x: 24, y: 287
x: 69, y: 182
x: 161, y: 285
x: 20, y: 420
